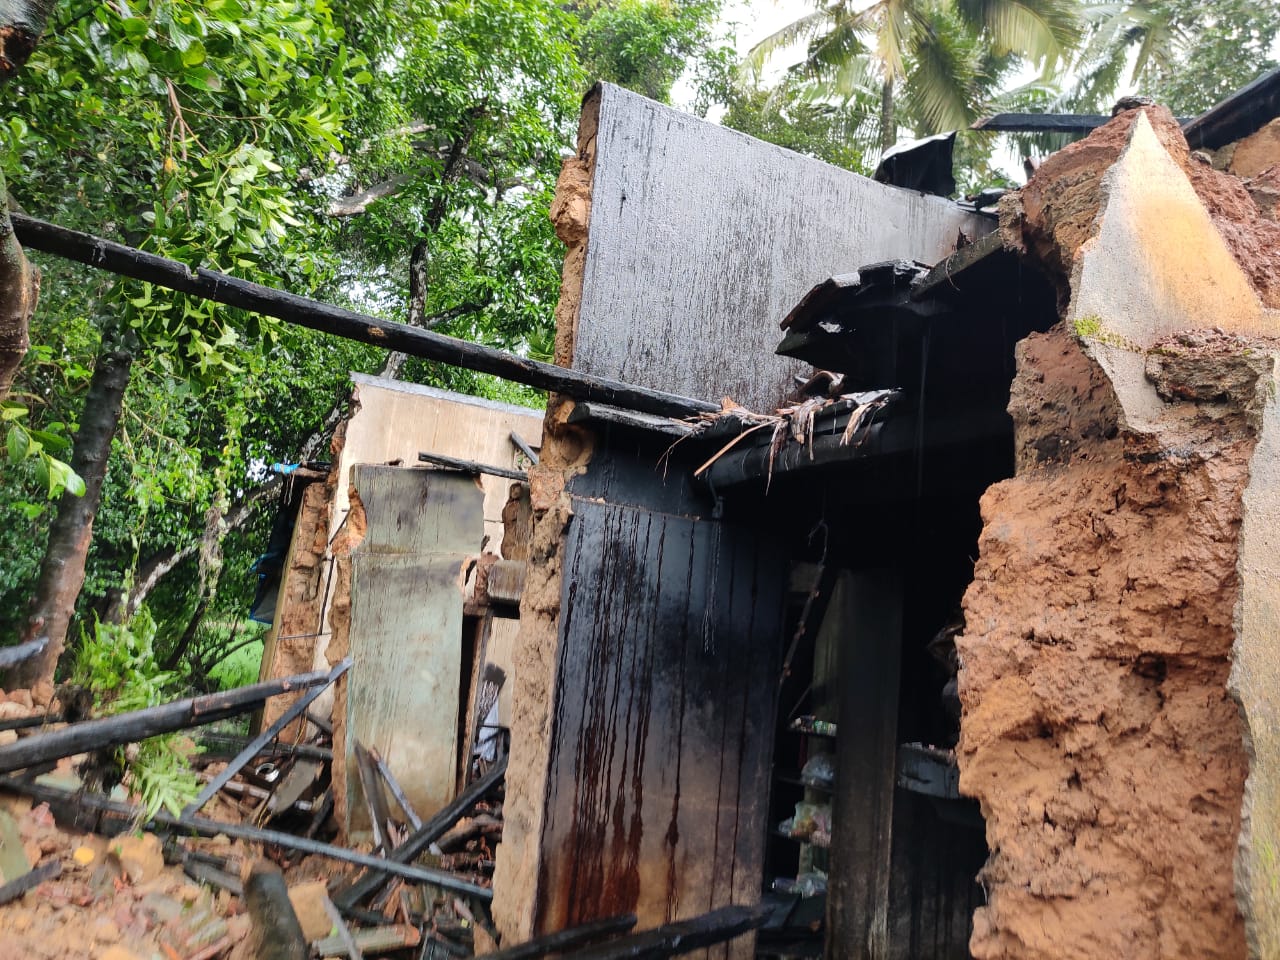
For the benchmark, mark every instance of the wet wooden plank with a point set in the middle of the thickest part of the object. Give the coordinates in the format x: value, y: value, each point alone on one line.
x: 702, y: 239
x: 660, y: 755
x: 868, y: 614
x: 406, y: 629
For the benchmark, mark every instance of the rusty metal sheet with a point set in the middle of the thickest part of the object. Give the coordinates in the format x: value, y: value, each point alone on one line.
x: 662, y: 742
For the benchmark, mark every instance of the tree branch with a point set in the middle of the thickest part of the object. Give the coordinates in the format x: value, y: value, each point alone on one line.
x: 161, y: 564
x: 358, y: 203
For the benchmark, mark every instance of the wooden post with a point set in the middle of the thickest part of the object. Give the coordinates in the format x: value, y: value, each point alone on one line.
x: 869, y: 612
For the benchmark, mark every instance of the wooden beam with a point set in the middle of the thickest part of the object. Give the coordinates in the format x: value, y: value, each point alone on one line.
x: 679, y: 938
x: 126, y: 261
x: 869, y: 621
x: 29, y: 881
x: 1240, y: 114
x: 139, y: 724
x: 565, y: 939
x: 471, y: 467
x: 1042, y: 122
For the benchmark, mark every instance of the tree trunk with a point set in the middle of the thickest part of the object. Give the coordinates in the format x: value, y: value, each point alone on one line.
x: 888, y: 123
x: 21, y: 23
x: 19, y: 290
x: 62, y: 572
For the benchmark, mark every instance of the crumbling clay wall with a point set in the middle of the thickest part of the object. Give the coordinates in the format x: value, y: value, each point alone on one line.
x: 1099, y: 731
x: 565, y: 450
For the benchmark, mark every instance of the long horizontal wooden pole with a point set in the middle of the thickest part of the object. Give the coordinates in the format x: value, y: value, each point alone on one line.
x: 219, y: 287
x: 137, y: 725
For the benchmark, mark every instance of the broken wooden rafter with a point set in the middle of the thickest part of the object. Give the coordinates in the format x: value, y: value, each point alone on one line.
x: 254, y: 746
x: 374, y: 798
x: 204, y: 827
x: 393, y: 785
x: 601, y: 413
x: 29, y: 881
x: 470, y: 467
x: 420, y: 839
x: 566, y: 939
x: 112, y: 257
x: 675, y: 939
x: 138, y: 725
x: 524, y: 447
x: 307, y: 751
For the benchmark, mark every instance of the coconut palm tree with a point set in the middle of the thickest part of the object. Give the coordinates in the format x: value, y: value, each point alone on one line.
x: 934, y: 61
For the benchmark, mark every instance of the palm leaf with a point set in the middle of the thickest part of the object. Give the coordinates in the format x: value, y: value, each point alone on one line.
x: 805, y: 28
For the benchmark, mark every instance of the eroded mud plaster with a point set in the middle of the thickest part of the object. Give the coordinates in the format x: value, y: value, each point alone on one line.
x: 565, y: 450
x: 1111, y: 594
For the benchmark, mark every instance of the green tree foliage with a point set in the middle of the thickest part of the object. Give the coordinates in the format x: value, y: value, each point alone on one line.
x: 645, y: 45
x: 397, y: 156
x: 1188, y: 54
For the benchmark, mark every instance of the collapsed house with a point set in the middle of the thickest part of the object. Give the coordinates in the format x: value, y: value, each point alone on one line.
x: 963, y: 645
x: 1043, y: 463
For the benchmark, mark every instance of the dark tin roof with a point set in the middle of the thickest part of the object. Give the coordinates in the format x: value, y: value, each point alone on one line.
x: 1247, y: 110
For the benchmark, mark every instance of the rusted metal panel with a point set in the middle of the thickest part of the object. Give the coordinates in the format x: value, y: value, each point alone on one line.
x: 701, y: 239
x: 661, y: 738
x: 406, y: 628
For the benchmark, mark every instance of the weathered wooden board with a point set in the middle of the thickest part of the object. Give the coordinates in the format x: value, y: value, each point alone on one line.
x: 869, y: 614
x: 406, y: 629
x: 661, y: 748
x: 701, y: 239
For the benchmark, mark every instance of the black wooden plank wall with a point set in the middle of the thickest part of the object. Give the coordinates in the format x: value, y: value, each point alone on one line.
x: 662, y: 742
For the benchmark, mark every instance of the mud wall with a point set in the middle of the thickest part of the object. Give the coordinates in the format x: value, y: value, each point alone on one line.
x: 1099, y: 730
x: 565, y: 451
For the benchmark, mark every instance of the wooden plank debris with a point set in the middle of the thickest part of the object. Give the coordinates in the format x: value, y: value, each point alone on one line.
x: 675, y: 939
x: 393, y: 786
x: 420, y: 839
x: 29, y: 881
x: 254, y: 746
x: 379, y: 815
x: 137, y: 725
x: 468, y: 466
x: 126, y: 261
x: 566, y: 939
x: 378, y: 940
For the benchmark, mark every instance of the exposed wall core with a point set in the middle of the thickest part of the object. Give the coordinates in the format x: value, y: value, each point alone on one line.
x: 1099, y: 732
x: 565, y: 450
